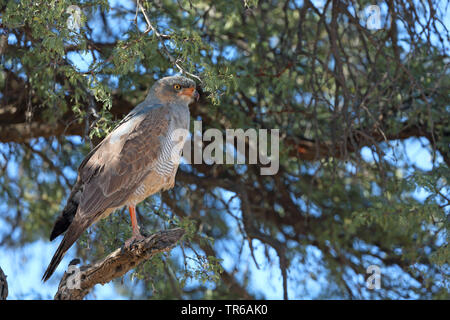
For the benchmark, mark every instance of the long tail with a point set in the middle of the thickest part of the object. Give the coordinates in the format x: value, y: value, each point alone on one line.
x: 62, y: 223
x: 65, y: 219
x: 70, y: 237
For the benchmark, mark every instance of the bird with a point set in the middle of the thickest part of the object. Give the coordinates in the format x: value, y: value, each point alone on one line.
x: 138, y: 158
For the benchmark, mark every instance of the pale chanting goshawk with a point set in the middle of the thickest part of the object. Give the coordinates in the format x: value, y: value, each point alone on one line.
x: 137, y: 159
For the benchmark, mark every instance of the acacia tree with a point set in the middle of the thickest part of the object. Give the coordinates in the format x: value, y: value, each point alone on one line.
x: 349, y: 86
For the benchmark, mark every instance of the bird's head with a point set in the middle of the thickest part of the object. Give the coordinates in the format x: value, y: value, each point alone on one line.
x: 175, y: 89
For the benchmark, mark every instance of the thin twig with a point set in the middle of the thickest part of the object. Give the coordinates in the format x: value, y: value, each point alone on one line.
x: 161, y: 38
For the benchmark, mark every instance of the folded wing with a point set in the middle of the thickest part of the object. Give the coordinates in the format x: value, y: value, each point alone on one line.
x: 112, y: 172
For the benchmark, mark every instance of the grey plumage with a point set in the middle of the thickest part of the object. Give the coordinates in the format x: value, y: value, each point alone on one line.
x: 137, y: 159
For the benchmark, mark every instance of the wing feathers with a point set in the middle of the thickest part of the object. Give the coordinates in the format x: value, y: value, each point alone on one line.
x: 113, y: 171
x: 125, y: 162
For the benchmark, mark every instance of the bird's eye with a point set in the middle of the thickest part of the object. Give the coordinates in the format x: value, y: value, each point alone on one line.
x: 176, y: 86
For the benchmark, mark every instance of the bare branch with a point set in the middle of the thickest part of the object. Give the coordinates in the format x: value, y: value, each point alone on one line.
x: 117, y: 264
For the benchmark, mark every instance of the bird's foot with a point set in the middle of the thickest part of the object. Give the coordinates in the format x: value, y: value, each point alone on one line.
x: 130, y: 242
x: 145, y: 233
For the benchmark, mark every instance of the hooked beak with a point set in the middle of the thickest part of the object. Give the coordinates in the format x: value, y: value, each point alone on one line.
x: 190, y: 92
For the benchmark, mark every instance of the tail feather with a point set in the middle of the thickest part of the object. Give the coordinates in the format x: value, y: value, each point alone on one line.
x: 62, y: 223
x: 70, y: 237
x: 65, y: 219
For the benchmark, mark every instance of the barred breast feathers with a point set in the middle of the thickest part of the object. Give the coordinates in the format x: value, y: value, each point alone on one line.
x: 171, y: 147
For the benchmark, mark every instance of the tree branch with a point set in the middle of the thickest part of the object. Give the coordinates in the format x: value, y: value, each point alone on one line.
x: 161, y: 39
x: 77, y: 286
x: 3, y: 286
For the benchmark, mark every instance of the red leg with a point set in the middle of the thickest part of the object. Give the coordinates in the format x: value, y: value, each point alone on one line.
x: 136, y: 234
x: 134, y: 223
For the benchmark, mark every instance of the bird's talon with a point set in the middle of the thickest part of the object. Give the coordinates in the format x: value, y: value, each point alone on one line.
x: 133, y: 240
